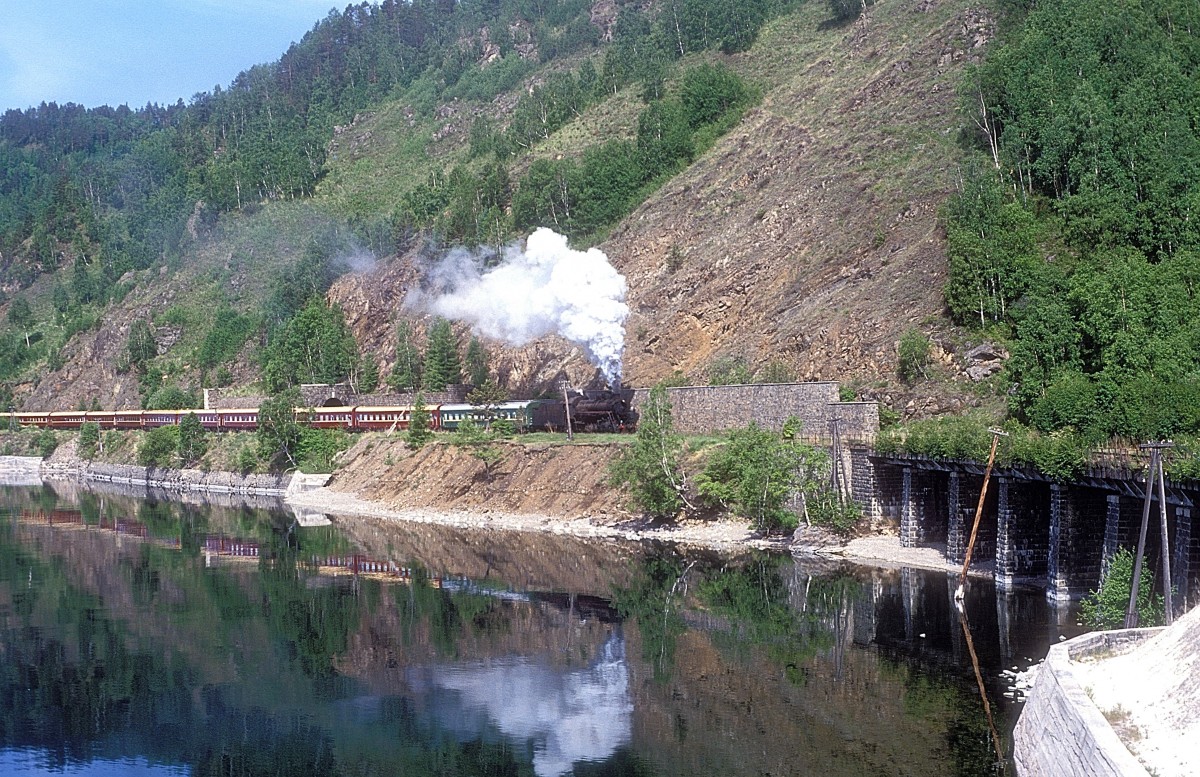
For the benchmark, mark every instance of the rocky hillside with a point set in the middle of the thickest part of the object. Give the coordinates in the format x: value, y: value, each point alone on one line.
x: 805, y: 240
x: 807, y: 236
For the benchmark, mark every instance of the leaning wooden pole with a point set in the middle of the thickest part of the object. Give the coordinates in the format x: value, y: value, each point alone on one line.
x: 1166, y: 545
x: 1131, y: 614
x: 987, y: 476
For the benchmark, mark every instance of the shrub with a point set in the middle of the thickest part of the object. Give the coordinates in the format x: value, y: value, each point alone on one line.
x: 247, y: 459
x: 89, y: 439
x: 46, y: 442
x: 159, y: 446
x: 753, y: 473
x: 1105, y: 607
x: 914, y: 349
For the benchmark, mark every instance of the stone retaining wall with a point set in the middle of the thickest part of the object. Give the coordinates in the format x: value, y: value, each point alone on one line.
x: 703, y: 409
x: 1061, y: 732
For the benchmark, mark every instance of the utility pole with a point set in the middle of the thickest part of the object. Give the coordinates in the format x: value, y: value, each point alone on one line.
x: 567, y: 404
x: 1154, y: 476
x: 987, y: 476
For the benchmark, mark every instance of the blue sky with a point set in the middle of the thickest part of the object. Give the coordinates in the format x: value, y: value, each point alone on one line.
x: 94, y: 52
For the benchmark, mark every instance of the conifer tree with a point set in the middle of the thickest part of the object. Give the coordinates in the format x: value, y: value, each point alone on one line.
x: 406, y: 372
x: 368, y: 374
x: 442, y: 363
x: 419, y: 432
x: 477, y: 362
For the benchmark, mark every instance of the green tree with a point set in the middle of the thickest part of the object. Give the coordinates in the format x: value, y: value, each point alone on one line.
x: 480, y: 442
x: 89, y: 439
x: 913, y: 350
x: 314, y: 347
x: 476, y: 362
x: 278, y: 431
x: 419, y: 431
x: 1105, y: 607
x: 846, y: 10
x: 368, y: 374
x: 140, y: 347
x: 20, y: 315
x: 485, y: 398
x: 158, y: 447
x: 193, y: 441
x: 650, y: 467
x: 406, y: 372
x: 754, y: 473
x: 442, y: 364
x: 708, y: 92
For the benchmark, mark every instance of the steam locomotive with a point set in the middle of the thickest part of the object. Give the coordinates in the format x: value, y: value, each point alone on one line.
x: 590, y: 410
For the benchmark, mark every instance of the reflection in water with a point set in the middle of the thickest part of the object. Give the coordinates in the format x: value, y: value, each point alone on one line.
x: 570, y: 716
x: 294, y: 651
x: 33, y: 762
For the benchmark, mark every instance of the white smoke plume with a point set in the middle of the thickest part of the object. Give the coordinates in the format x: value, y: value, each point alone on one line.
x: 546, y: 288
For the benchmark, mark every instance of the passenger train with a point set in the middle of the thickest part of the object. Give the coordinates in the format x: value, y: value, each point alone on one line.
x: 589, y: 411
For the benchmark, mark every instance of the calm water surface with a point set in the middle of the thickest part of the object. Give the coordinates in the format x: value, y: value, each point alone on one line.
x: 148, y: 637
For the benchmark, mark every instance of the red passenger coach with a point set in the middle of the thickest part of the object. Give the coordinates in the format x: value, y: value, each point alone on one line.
x: 241, y: 418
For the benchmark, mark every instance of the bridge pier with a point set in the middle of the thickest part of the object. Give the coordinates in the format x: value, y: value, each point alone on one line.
x: 1022, y: 531
x: 1181, y: 556
x: 1077, y: 545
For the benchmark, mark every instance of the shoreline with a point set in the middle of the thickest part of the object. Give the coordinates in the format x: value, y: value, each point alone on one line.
x: 882, y: 550
x: 726, y: 535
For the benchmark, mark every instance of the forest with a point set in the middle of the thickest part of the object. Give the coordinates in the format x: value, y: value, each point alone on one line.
x: 1074, y: 235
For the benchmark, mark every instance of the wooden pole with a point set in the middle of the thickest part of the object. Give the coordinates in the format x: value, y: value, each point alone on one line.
x: 567, y: 405
x: 987, y: 476
x: 1166, y: 545
x: 1131, y: 614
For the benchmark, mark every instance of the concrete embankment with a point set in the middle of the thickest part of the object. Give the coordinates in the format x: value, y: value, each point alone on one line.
x: 1116, y: 703
x: 172, y: 480
x: 1061, y: 732
x: 20, y: 470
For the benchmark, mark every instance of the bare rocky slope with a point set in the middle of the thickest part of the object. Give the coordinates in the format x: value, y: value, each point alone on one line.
x: 807, y: 236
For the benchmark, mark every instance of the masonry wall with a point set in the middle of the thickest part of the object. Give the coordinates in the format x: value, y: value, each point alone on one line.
x: 701, y: 409
x: 1061, y: 733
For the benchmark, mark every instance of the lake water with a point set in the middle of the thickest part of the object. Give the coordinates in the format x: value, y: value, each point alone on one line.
x: 149, y: 637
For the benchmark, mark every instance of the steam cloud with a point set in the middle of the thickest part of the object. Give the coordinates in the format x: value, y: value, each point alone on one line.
x: 547, y: 288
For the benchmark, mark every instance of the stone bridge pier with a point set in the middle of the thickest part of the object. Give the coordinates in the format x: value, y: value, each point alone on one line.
x: 1032, y: 530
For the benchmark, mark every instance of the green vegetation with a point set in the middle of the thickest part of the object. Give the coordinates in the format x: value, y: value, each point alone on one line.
x: 480, y: 442
x: 650, y: 467
x: 89, y: 439
x: 1105, y: 607
x: 1074, y: 233
x: 419, y: 424
x: 278, y: 431
x: 159, y: 447
x: 1060, y: 456
x: 756, y: 472
x: 314, y: 347
x: 406, y: 372
x: 193, y: 440
x: 914, y: 351
x: 442, y: 364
